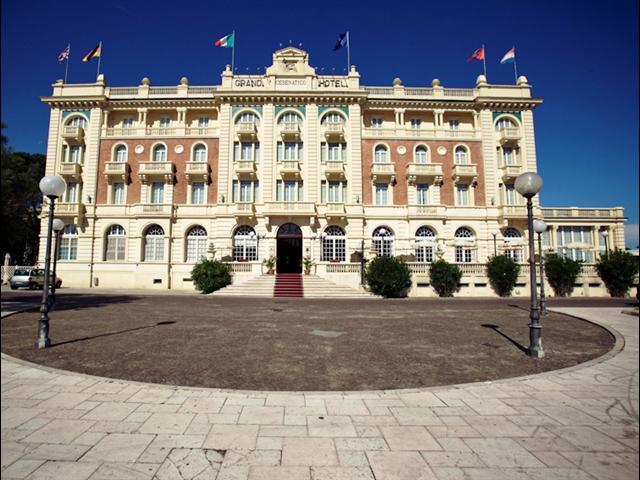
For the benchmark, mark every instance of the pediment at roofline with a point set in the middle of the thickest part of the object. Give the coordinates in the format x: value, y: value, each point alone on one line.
x: 290, y: 61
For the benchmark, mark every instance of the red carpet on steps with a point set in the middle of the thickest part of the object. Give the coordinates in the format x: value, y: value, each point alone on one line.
x: 288, y: 285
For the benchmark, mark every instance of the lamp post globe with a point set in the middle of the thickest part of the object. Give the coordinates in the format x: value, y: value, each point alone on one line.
x: 52, y: 187
x: 539, y: 226
x: 528, y: 185
x: 57, y: 225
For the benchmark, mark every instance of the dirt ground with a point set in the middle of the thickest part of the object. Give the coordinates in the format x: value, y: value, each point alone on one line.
x: 300, y: 344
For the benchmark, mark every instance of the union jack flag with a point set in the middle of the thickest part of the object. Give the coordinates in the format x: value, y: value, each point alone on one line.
x: 64, y: 54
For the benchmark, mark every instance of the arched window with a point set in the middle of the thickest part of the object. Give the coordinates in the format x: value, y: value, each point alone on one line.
x: 159, y: 153
x: 461, y: 155
x: 381, y: 154
x: 196, y: 244
x: 290, y: 117
x: 425, y: 244
x: 115, y: 245
x: 513, y: 236
x: 421, y: 155
x: 68, y: 249
x: 505, y: 123
x: 383, y: 241
x: 333, y: 244
x: 77, y: 121
x: 465, y: 252
x: 200, y: 153
x: 332, y: 117
x: 245, y: 244
x: 247, y: 117
x: 120, y: 154
x: 154, y: 244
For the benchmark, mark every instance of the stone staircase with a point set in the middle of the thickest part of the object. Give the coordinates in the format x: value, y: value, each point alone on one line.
x: 312, y: 287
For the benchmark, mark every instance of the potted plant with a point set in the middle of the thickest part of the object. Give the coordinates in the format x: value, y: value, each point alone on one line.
x: 270, y: 264
x: 307, y: 264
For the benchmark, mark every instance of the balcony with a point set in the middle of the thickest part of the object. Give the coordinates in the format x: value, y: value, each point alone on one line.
x: 465, y: 173
x: 509, y: 136
x: 70, y: 170
x: 290, y: 209
x: 424, y: 171
x: 202, y: 131
x: 197, y: 171
x: 512, y: 212
x: 290, y: 168
x: 160, y: 131
x: 290, y: 131
x: 152, y: 210
x: 334, y: 168
x: 245, y: 168
x: 244, y: 209
x: 74, y: 210
x: 383, y: 170
x: 73, y: 134
x: 122, y: 132
x: 116, y: 171
x: 334, y: 130
x: 511, y: 172
x: 247, y: 130
x: 150, y: 170
x: 427, y: 211
x: 335, y: 210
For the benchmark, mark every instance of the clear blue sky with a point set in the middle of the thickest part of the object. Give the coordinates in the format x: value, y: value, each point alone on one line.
x: 581, y: 57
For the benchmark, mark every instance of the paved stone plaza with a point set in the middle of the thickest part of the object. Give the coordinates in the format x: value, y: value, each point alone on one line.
x: 579, y: 423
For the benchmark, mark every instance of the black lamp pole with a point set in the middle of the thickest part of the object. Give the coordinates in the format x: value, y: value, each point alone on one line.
x: 543, y: 301
x: 43, y: 324
x: 535, y: 334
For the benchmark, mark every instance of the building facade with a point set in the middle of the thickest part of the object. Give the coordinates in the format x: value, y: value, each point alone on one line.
x: 294, y: 164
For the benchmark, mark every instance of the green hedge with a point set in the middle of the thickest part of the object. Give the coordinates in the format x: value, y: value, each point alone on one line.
x: 388, y: 277
x: 618, y: 270
x: 503, y: 274
x: 445, y: 278
x: 210, y: 275
x: 562, y: 273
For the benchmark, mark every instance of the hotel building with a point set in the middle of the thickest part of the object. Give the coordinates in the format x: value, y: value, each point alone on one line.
x: 293, y: 164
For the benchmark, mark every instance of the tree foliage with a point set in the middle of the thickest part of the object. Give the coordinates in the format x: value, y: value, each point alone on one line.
x: 388, y: 276
x: 21, y: 201
x: 562, y: 273
x: 503, y: 274
x: 210, y: 275
x: 445, y: 278
x: 618, y: 270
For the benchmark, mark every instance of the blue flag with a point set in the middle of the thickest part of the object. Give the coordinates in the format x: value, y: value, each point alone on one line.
x: 342, y: 42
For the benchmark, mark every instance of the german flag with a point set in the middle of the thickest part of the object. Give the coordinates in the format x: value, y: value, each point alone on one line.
x: 93, y: 53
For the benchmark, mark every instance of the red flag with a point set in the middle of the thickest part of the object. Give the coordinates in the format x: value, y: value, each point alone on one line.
x: 476, y: 55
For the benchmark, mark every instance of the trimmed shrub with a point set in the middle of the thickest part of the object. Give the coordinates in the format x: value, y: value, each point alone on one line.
x: 445, y: 278
x: 210, y: 275
x: 388, y: 277
x: 503, y: 274
x: 561, y: 273
x: 618, y: 270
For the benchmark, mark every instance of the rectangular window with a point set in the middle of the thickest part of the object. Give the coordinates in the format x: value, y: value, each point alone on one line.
x: 462, y: 194
x: 376, y: 123
x: 510, y: 194
x: 382, y: 193
x: 115, y: 248
x: 68, y: 249
x: 464, y: 255
x: 127, y: 122
x: 416, y: 123
x: 197, y: 193
x: 424, y: 254
x: 508, y: 156
x: 118, y: 194
x: 75, y: 154
x: 514, y: 254
x: 165, y: 122
x: 203, y: 121
x: 157, y: 192
x: 71, y: 195
x: 422, y: 193
x: 335, y: 153
x: 334, y: 192
x: 454, y: 124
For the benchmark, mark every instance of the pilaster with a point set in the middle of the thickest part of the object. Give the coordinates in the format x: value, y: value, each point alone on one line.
x: 491, y: 179
x: 267, y: 149
x: 311, y: 149
x: 354, y: 159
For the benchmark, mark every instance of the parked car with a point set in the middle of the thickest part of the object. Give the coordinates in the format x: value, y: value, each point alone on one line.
x: 31, y: 278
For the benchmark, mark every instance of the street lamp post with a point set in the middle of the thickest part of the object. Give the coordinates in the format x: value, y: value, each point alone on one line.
x: 605, y: 234
x: 52, y: 186
x: 58, y: 226
x: 495, y: 243
x: 540, y: 227
x: 528, y: 185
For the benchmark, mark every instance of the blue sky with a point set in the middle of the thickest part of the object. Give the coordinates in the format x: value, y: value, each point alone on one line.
x: 580, y: 57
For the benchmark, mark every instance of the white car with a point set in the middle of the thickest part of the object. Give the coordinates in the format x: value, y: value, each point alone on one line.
x: 31, y: 278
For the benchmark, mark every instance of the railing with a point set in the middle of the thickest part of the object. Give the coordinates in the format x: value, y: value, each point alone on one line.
x: 245, y: 166
x: 72, y: 132
x: 417, y: 91
x: 160, y: 131
x: 123, y: 91
x: 509, y: 134
x: 290, y: 128
x: 581, y: 212
x: 419, y: 132
x: 72, y: 169
x: 379, y: 90
x: 116, y: 168
x: 290, y: 166
x: 342, y: 267
x: 458, y: 92
x: 335, y: 208
x: 303, y: 208
x: 202, y: 90
x: 244, y: 207
x: 514, y: 211
x: 242, y: 267
x: 197, y: 167
x: 204, y: 131
x: 383, y: 168
x: 459, y: 133
x: 334, y: 166
x: 156, y: 167
x: 68, y: 208
x: 425, y: 169
x: 380, y: 132
x: 246, y: 128
x: 121, y: 132
x: 465, y: 170
x: 163, y: 91
x: 334, y: 128
x: 511, y: 171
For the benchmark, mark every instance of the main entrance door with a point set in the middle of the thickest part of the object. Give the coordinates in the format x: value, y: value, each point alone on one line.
x: 289, y: 249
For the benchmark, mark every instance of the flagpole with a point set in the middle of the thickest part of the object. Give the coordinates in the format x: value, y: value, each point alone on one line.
x: 348, y: 52
x: 233, y: 52
x: 99, y: 58
x: 515, y: 68
x: 484, y: 60
x: 66, y: 68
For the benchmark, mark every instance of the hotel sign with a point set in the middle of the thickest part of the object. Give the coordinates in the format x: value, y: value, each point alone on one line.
x: 288, y: 83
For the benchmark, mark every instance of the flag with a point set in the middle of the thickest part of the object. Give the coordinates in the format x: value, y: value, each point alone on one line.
x: 342, y: 42
x: 93, y: 53
x: 510, y: 56
x: 226, y: 41
x: 477, y: 54
x: 64, y: 54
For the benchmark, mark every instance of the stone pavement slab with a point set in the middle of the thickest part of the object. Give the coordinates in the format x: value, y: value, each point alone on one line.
x: 579, y: 423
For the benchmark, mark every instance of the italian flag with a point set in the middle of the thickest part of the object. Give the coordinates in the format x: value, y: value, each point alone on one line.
x: 226, y: 41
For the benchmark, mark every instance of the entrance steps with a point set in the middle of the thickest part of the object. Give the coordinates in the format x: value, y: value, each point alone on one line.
x: 312, y: 287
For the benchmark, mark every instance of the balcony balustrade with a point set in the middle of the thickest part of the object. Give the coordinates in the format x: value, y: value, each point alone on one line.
x: 301, y: 209
x: 509, y: 135
x: 335, y: 210
x: 245, y: 168
x: 511, y: 172
x: 383, y: 170
x: 334, y: 168
x: 73, y: 134
x: 70, y: 170
x: 123, y: 132
x: 197, y: 171
x: 152, y: 210
x: 334, y: 130
x: 244, y: 209
x: 116, y: 171
x: 246, y: 130
x: 290, y: 130
x: 150, y: 170
x: 290, y: 168
x: 465, y: 172
x: 72, y: 210
x: 424, y: 171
